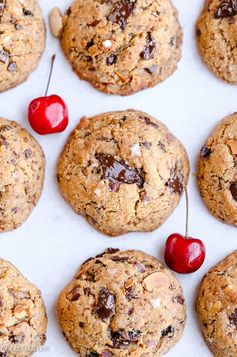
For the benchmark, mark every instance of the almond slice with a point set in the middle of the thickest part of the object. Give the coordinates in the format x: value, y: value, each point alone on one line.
x: 56, y: 22
x: 156, y: 280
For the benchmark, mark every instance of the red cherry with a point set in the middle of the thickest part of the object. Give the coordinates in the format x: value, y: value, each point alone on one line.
x: 48, y: 114
x: 184, y: 255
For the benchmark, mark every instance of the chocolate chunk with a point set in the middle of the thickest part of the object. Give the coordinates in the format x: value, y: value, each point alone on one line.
x: 198, y: 32
x: 172, y: 42
x: 144, y: 197
x: 94, y: 23
x: 131, y: 293
x: 149, y: 49
x: 2, y: 6
x: 106, y: 354
x: 148, y: 121
x: 17, y: 338
x: 121, y: 12
x: 93, y: 354
x: 3, y: 354
x: 28, y: 153
x: 226, y: 9
x: 146, y: 144
x: 69, y: 11
x: 179, y: 299
x: 105, y: 306
x: 140, y: 268
x: 118, y: 171
x: 122, y: 339
x: 205, y: 152
x: 233, y: 318
x: 233, y: 190
x: 175, y: 183
x: 114, y: 186
x: 161, y: 146
x: 89, y: 44
x: 3, y: 56
x: 112, y: 59
x: 12, y: 67
x: 112, y: 250
x: 18, y: 27
x: 119, y: 259
x: 151, y: 69
x: 168, y: 331
x: 74, y: 295
x: 27, y: 12
x: 81, y: 324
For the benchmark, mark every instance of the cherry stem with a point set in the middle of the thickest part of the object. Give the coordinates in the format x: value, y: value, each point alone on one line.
x: 187, y: 212
x: 50, y: 74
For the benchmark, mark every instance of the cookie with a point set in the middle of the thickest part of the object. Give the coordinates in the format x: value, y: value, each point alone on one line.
x: 21, y: 174
x: 23, y: 319
x: 217, y: 171
x: 122, y: 47
x: 124, y: 171
x: 22, y: 40
x: 122, y: 303
x: 216, y: 307
x: 216, y: 36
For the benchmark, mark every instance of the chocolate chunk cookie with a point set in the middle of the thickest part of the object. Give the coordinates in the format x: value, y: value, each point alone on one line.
x: 123, y: 46
x: 122, y: 304
x: 216, y: 35
x: 23, y: 319
x: 217, y: 171
x: 123, y: 171
x: 21, y: 174
x: 217, y: 309
x: 22, y: 40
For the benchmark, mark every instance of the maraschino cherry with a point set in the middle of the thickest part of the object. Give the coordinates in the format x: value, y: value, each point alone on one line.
x: 184, y: 254
x: 48, y: 114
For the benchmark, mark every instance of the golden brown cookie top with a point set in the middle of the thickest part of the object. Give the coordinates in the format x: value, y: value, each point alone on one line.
x: 22, y: 168
x: 122, y: 303
x: 22, y: 40
x: 123, y: 171
x: 216, y: 36
x: 124, y: 46
x: 23, y: 319
x: 217, y: 309
x: 217, y: 171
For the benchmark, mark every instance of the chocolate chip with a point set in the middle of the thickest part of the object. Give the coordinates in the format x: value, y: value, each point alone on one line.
x: 3, y: 354
x: 198, y: 32
x: 226, y: 9
x: 81, y: 324
x: 168, y: 331
x: 233, y: 318
x: 106, y: 354
x: 112, y: 59
x: 151, y: 69
x: 122, y: 339
x: 89, y: 44
x: 172, y: 42
x: 131, y: 293
x: 105, y: 306
x: 112, y: 250
x: 74, y: 295
x: 93, y: 354
x: 205, y: 152
x: 27, y: 12
x: 2, y: 6
x: 28, y: 153
x: 121, y: 12
x: 148, y: 121
x: 12, y: 67
x: 140, y: 268
x: 3, y: 56
x: 94, y: 23
x: 119, y: 259
x: 233, y: 190
x: 175, y: 183
x: 144, y: 196
x: 179, y: 299
x: 17, y: 338
x: 118, y: 171
x: 114, y: 186
x: 149, y: 49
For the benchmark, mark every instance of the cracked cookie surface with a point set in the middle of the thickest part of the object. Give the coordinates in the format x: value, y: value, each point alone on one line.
x: 216, y: 36
x: 22, y: 40
x: 122, y: 303
x: 123, y: 46
x: 23, y: 319
x: 123, y: 171
x: 217, y: 171
x: 216, y: 307
x: 21, y: 174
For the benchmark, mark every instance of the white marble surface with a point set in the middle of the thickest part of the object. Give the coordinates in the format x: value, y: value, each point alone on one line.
x: 53, y: 243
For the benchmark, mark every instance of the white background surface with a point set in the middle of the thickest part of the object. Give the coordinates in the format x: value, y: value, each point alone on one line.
x: 52, y: 244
